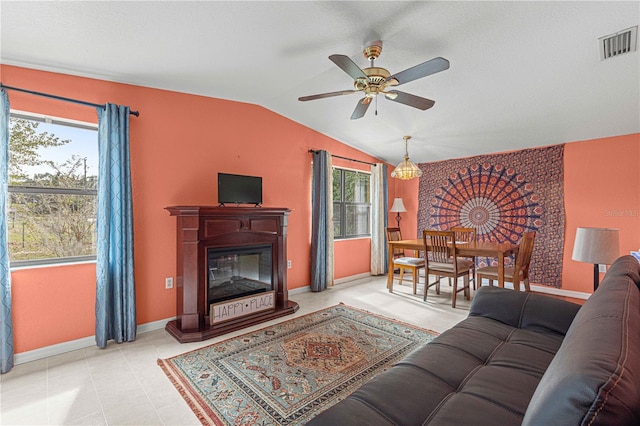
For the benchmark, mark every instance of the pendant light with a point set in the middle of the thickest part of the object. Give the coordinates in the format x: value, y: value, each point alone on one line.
x: 406, y: 169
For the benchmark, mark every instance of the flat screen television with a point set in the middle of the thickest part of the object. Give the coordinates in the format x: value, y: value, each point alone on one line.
x: 239, y: 189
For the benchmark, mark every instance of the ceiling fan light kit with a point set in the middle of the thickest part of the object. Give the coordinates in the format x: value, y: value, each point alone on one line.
x: 406, y: 169
x: 372, y: 81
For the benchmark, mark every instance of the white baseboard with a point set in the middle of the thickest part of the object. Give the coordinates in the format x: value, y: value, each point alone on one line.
x: 305, y: 289
x: 560, y: 292
x: 352, y: 278
x: 154, y: 325
x: 552, y: 290
x: 338, y: 281
x: 74, y: 345
x: 52, y: 350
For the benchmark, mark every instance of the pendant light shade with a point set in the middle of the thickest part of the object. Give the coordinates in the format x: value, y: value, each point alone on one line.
x: 406, y: 169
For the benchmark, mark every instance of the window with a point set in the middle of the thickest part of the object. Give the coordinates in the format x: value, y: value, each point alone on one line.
x: 351, y: 204
x: 53, y: 178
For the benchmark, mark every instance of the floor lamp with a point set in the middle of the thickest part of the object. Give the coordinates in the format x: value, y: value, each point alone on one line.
x: 398, y: 207
x: 600, y: 246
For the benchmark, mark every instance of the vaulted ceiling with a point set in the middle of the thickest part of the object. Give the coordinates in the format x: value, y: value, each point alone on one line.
x: 522, y: 74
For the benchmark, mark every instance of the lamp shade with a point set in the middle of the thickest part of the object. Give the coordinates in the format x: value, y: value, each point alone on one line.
x: 398, y: 205
x: 596, y: 245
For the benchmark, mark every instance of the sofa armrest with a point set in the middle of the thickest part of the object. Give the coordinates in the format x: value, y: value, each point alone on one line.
x: 524, y: 310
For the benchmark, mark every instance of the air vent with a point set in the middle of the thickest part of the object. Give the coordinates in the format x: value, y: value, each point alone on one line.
x: 619, y: 43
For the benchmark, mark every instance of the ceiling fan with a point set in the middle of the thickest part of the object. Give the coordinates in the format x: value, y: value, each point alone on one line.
x: 373, y: 81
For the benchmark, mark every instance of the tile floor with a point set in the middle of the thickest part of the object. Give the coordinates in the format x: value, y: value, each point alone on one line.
x: 123, y: 385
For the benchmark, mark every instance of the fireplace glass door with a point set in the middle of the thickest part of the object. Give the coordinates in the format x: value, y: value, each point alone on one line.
x: 238, y: 272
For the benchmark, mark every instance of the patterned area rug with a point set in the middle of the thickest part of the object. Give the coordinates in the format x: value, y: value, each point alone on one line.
x: 287, y: 373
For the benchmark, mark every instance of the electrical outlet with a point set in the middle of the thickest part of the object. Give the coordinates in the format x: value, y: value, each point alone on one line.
x: 168, y: 282
x: 602, y: 268
x: 288, y: 264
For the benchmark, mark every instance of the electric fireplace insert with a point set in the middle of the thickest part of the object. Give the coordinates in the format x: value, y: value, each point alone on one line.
x: 238, y: 272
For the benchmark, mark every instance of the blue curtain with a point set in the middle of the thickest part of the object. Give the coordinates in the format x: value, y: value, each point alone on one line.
x: 321, y: 222
x: 6, y: 324
x: 115, y: 290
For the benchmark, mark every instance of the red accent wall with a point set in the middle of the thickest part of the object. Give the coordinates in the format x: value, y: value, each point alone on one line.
x: 178, y: 145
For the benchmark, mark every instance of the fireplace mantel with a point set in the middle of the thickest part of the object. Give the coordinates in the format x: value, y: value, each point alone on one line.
x: 200, y: 228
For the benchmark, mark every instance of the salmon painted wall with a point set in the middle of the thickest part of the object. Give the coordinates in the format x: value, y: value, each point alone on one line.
x: 602, y: 190
x: 52, y: 305
x: 178, y: 145
x: 408, y: 191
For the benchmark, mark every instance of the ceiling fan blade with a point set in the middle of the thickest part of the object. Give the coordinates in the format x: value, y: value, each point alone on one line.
x: 361, y: 109
x: 422, y: 70
x: 409, y: 99
x: 348, y: 66
x: 326, y: 95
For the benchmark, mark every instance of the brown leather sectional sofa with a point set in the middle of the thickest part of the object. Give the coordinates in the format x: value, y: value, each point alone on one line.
x: 518, y: 358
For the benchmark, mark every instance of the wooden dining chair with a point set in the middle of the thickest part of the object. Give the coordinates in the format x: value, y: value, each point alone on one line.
x: 441, y: 260
x: 405, y: 263
x: 519, y: 272
x: 467, y: 235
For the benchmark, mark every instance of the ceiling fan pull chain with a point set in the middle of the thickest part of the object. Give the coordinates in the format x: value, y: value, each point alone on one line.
x: 376, y: 113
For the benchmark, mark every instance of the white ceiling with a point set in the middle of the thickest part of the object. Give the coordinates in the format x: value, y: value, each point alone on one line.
x: 522, y: 74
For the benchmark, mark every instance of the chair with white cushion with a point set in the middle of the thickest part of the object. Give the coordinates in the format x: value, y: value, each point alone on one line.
x: 402, y: 262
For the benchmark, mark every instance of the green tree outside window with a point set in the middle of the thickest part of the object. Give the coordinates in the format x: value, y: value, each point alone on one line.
x: 351, y: 204
x: 52, y: 205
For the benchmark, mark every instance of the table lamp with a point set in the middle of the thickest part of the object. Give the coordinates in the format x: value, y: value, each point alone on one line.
x: 600, y: 246
x: 397, y: 207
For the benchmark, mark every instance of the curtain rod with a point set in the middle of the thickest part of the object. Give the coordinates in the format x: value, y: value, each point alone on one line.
x: 60, y: 98
x: 345, y: 158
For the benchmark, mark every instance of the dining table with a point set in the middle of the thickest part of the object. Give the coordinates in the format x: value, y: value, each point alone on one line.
x: 465, y: 249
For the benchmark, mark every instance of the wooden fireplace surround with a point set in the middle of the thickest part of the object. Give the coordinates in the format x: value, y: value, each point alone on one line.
x: 203, y: 227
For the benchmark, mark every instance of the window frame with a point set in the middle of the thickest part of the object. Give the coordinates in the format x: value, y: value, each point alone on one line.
x: 344, y: 204
x: 25, y: 189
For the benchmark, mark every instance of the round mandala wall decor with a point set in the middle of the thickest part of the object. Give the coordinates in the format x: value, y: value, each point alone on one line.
x: 494, y: 199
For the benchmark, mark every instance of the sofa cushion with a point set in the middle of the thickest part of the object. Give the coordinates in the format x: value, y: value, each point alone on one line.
x: 594, y: 377
x: 531, y: 311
